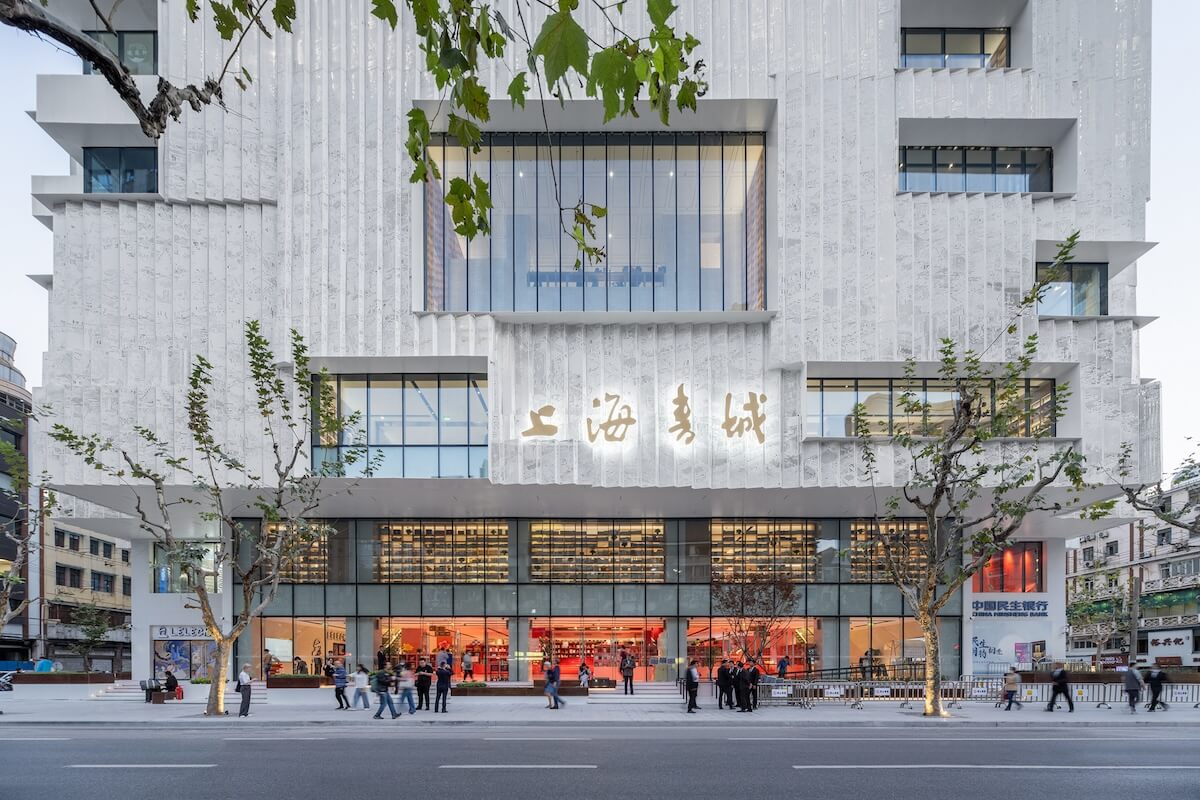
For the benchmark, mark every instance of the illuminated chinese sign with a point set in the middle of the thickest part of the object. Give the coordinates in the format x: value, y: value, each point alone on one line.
x: 611, y: 418
x: 1010, y: 608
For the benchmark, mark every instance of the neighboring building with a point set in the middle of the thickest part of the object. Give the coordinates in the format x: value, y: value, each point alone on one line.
x: 15, y: 405
x: 1162, y: 564
x: 571, y: 456
x: 78, y: 568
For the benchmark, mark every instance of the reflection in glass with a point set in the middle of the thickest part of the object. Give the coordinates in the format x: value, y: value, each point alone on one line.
x: 684, y: 229
x: 976, y: 169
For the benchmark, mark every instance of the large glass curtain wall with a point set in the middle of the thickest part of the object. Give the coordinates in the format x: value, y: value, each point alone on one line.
x: 415, y: 426
x: 684, y: 228
x: 976, y: 169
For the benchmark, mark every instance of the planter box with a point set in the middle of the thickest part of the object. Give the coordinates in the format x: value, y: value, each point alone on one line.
x: 60, y: 678
x: 297, y: 682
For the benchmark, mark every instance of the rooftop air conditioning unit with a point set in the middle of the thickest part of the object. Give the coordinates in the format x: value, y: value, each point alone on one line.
x: 1145, y: 555
x: 1103, y: 534
x: 1089, y: 564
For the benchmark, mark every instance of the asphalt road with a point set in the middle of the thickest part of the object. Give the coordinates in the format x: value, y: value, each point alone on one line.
x: 248, y: 761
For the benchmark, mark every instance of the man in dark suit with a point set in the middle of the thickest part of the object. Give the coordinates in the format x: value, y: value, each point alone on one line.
x: 742, y: 686
x: 724, y: 685
x: 754, y: 675
x: 693, y: 686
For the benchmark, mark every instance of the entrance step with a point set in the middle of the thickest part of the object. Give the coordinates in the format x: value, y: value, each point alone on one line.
x: 643, y: 694
x: 130, y: 691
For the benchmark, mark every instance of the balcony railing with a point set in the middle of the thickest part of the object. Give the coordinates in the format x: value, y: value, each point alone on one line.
x: 1123, y: 559
x: 1174, y: 621
x: 1174, y: 582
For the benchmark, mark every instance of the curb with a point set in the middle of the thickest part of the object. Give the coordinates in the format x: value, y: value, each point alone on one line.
x: 917, y: 723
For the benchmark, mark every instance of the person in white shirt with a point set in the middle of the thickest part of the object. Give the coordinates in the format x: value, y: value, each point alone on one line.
x: 244, y: 688
x: 362, y: 683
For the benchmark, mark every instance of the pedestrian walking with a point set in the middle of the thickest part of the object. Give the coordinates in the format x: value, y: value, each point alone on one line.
x: 755, y: 677
x: 1155, y: 679
x: 340, y: 679
x: 585, y: 675
x: 424, y: 680
x: 383, y: 682
x: 553, y: 674
x: 628, y: 664
x: 406, y: 682
x: 782, y: 667
x: 362, y: 681
x: 1012, y: 687
x: 693, y: 686
x: 444, y: 673
x: 1133, y: 686
x: 243, y: 687
x: 1061, y: 680
x: 468, y: 666
x: 724, y: 686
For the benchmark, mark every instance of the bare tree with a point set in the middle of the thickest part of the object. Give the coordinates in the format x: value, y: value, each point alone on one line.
x: 968, y: 495
x: 265, y: 521
x: 757, y: 608
x: 1156, y: 498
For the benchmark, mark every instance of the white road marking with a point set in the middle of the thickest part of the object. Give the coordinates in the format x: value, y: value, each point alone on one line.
x: 139, y: 766
x: 35, y: 739
x: 275, y: 738
x: 1013, y: 738
x: 517, y: 766
x: 997, y: 766
x: 536, y: 739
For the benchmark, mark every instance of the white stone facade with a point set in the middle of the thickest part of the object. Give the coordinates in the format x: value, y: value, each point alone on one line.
x: 294, y: 207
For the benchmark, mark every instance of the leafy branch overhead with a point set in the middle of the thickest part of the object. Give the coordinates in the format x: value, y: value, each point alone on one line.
x: 461, y: 39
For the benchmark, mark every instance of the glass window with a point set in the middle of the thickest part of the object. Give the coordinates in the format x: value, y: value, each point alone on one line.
x: 352, y: 401
x: 684, y: 228
x: 922, y: 49
x: 453, y: 409
x: 641, y: 224
x: 421, y: 410
x: 1016, y: 569
x: 126, y: 585
x: 136, y: 50
x: 976, y: 169
x: 935, y: 48
x: 1076, y: 289
x: 916, y: 169
x: 60, y: 539
x: 830, y: 404
x: 74, y: 542
x: 94, y: 546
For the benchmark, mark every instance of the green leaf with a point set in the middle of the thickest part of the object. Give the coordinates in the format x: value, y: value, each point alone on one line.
x: 599, y: 212
x: 227, y: 22
x: 641, y: 66
x: 517, y: 89
x: 561, y: 44
x: 687, y: 94
x: 690, y: 43
x: 386, y: 11
x: 473, y: 98
x: 284, y: 14
x: 193, y: 10
x: 613, y: 75
x: 660, y: 11
x: 466, y: 132
x: 246, y: 75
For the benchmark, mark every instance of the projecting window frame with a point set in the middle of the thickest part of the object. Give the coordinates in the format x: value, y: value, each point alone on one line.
x: 973, y: 169
x: 1038, y: 406
x: 645, y: 269
x: 1077, y: 297
x: 429, y: 442
x: 113, y: 170
x: 942, y: 59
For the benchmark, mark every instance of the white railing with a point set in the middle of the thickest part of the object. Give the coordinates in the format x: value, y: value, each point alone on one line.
x: 1174, y: 582
x: 1174, y: 621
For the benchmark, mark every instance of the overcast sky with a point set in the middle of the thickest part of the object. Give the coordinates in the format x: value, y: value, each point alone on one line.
x: 1168, y: 278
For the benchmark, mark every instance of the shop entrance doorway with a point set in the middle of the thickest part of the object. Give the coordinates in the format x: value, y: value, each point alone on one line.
x: 599, y: 642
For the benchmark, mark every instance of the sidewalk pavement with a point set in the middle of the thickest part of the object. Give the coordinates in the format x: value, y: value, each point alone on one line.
x: 70, y: 705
